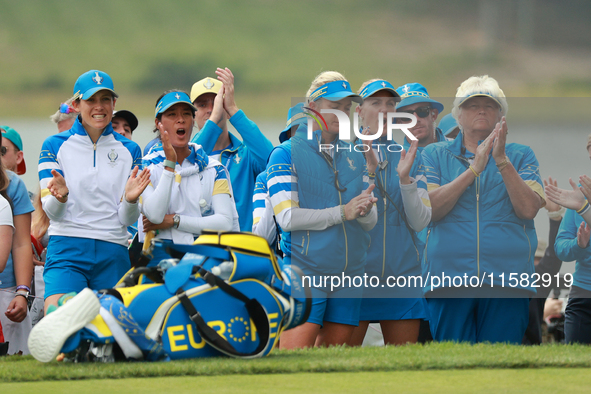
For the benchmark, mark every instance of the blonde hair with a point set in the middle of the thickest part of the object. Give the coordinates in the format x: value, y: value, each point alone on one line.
x: 60, y: 117
x: 474, y: 85
x: 588, y: 141
x: 324, y: 78
x: 40, y: 221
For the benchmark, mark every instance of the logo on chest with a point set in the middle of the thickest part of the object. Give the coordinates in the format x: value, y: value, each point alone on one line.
x: 113, y: 156
x: 237, y: 159
x: 351, y: 162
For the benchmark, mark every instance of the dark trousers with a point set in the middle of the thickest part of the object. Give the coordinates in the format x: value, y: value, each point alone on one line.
x: 577, y: 324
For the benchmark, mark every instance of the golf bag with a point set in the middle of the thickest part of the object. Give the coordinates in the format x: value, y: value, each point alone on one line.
x: 188, y: 311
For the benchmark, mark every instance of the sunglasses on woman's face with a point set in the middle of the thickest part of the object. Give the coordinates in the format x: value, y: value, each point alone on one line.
x: 422, y: 112
x: 3, y: 150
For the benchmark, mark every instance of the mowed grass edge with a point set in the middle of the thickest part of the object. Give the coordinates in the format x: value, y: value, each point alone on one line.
x: 434, y: 356
x: 540, y: 381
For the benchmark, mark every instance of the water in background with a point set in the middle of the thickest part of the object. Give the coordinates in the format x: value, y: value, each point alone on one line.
x: 560, y: 150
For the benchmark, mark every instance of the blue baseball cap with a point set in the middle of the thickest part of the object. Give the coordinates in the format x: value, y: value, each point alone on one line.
x: 91, y: 82
x: 447, y: 124
x: 412, y: 93
x: 376, y: 86
x: 334, y: 91
x: 172, y: 98
x: 295, y: 116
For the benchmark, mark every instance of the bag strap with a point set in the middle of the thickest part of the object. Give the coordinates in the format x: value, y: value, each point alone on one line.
x: 255, y: 310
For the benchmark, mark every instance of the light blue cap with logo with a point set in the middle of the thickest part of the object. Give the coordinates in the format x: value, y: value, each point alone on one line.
x: 335, y: 91
x: 91, y: 82
x: 447, y: 124
x: 172, y: 98
x: 412, y: 93
x: 295, y: 117
x: 377, y: 86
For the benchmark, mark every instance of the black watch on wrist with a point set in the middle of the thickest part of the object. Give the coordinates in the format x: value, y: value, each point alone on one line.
x: 23, y: 293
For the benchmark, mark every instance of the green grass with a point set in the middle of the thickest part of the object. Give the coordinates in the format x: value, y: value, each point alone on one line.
x: 436, y: 356
x: 456, y: 382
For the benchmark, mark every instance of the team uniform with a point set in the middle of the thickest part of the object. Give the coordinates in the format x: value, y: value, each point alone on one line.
x: 243, y: 159
x: 302, y: 184
x: 180, y: 192
x: 578, y: 309
x: 466, y: 242
x: 263, y: 223
x: 88, y: 233
x: 395, y: 249
x: 15, y: 333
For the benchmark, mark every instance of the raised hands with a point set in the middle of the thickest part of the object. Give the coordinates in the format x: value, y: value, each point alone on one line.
x: 360, y: 205
x: 501, y: 131
x: 551, y: 206
x: 585, y: 182
x: 169, y: 151
x: 483, y: 150
x: 57, y: 187
x: 136, y: 184
x: 371, y: 159
x: 406, y: 162
x: 572, y: 199
x: 217, y: 113
x: 583, y: 235
x: 227, y: 78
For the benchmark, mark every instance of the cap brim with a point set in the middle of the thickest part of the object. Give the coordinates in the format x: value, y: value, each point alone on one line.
x: 90, y: 92
x: 336, y: 96
x: 482, y: 95
x: 393, y: 91
x: 128, y: 116
x: 418, y: 99
x: 22, y: 168
x: 175, y: 103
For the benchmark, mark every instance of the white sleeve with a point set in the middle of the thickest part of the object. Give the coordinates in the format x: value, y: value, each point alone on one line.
x: 417, y: 213
x: 5, y: 214
x: 54, y: 209
x: 266, y: 225
x: 128, y: 212
x: 297, y: 218
x: 221, y: 220
x: 155, y: 202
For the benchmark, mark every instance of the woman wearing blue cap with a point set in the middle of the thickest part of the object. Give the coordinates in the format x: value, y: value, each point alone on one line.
x: 186, y: 185
x: 484, y: 194
x: 403, y: 208
x: 324, y: 207
x: 89, y: 187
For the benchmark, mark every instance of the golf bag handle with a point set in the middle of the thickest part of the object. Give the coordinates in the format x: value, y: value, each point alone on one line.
x: 210, y: 336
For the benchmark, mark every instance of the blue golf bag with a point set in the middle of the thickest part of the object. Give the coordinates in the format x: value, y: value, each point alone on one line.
x: 188, y: 311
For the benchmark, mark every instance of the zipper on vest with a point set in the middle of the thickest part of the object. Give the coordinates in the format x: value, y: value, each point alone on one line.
x: 94, y: 160
x: 528, y: 242
x: 477, y: 180
x: 385, y: 216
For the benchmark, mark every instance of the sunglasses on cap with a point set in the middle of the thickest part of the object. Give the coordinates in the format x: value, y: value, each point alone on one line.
x: 422, y: 112
x: 66, y: 109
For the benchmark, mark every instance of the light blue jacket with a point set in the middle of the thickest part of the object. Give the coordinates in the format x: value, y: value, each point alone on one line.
x: 339, y: 248
x: 482, y: 233
x: 567, y: 249
x: 244, y: 160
